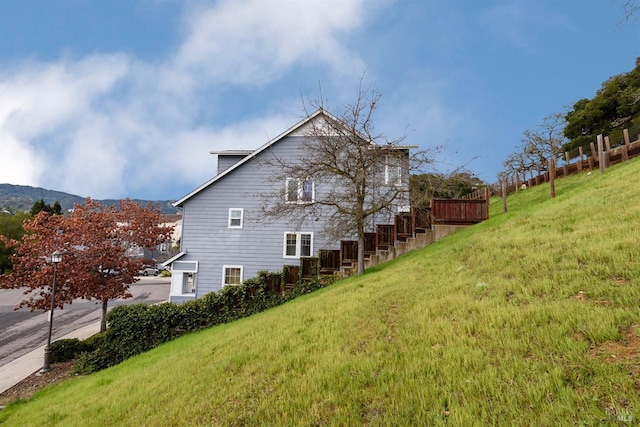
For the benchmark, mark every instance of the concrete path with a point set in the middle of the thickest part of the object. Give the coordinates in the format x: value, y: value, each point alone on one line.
x: 79, y: 320
x: 19, y: 369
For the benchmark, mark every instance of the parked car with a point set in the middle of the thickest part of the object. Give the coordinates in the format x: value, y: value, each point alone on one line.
x: 148, y: 271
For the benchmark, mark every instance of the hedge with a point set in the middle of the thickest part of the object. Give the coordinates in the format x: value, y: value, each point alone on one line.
x: 133, y: 329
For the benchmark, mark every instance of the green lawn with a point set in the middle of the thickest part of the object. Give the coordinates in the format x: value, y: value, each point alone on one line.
x: 514, y: 321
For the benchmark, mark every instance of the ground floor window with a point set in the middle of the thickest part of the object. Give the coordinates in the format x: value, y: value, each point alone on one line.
x: 298, y: 244
x: 231, y: 275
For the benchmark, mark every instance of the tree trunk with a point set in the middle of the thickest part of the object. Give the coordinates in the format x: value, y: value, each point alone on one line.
x: 360, y: 252
x: 103, y: 321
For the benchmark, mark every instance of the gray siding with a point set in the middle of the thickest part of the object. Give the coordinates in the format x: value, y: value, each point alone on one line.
x: 257, y: 246
x: 225, y: 161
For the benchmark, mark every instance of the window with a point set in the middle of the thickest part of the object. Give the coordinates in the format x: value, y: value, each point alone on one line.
x: 231, y: 275
x: 298, y: 244
x: 299, y: 191
x: 307, y: 191
x: 235, y: 217
x: 392, y: 172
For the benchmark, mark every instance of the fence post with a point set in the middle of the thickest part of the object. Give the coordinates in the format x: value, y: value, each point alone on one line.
x: 580, y: 162
x: 566, y: 164
x: 607, y: 143
x: 625, y: 134
x: 552, y: 183
x: 600, y: 154
x: 487, y: 198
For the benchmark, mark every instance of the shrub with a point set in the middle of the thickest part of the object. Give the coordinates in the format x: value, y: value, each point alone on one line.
x: 93, y: 342
x: 133, y: 329
x: 65, y: 350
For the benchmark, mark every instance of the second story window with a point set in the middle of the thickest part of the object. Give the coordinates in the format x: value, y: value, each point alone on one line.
x: 235, y: 217
x: 392, y: 172
x: 299, y: 191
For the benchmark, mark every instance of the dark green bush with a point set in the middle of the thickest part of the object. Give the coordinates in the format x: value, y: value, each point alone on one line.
x: 65, y: 350
x: 133, y: 329
x: 93, y: 342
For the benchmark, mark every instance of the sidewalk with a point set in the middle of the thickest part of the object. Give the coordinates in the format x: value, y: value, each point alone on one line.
x: 17, y: 370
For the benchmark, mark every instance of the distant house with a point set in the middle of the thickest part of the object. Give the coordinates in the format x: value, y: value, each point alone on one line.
x: 223, y: 242
x: 164, y: 250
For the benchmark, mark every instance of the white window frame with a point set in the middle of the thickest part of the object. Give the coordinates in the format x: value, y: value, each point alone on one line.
x: 224, y: 274
x: 231, y: 211
x: 299, y: 191
x: 298, y: 252
x: 389, y: 168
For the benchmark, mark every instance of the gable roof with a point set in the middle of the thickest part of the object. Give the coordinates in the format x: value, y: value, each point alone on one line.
x: 251, y: 155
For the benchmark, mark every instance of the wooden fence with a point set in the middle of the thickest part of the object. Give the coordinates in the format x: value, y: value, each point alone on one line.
x: 406, y: 225
x: 602, y: 155
x: 462, y: 211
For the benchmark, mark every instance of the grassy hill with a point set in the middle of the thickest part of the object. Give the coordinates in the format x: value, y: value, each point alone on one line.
x: 531, y: 318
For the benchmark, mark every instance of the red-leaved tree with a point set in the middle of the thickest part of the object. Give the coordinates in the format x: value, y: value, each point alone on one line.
x: 96, y: 242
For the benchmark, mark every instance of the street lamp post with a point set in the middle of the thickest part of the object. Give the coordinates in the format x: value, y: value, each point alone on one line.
x: 56, y: 257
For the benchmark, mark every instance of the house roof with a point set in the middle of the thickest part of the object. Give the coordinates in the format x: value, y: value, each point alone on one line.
x: 251, y: 154
x: 232, y: 152
x: 170, y: 260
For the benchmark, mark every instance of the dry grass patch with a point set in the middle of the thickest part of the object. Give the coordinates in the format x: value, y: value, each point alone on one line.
x: 624, y: 352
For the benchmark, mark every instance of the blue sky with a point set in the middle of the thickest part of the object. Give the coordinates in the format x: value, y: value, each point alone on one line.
x: 124, y: 98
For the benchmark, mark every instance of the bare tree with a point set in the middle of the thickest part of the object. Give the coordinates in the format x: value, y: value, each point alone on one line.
x: 346, y: 173
x: 518, y: 164
x: 546, y: 141
x: 630, y: 10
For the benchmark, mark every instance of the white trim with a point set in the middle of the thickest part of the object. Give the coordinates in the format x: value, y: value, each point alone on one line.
x: 298, y: 235
x: 185, y: 266
x: 170, y: 260
x: 229, y: 225
x: 224, y: 274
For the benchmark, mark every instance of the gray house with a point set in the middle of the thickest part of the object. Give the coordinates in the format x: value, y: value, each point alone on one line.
x: 224, y: 240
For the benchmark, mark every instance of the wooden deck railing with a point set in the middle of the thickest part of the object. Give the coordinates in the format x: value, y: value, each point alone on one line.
x: 459, y: 211
x: 405, y: 226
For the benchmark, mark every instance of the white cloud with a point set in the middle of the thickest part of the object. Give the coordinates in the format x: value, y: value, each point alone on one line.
x: 18, y: 161
x: 110, y: 126
x: 255, y: 41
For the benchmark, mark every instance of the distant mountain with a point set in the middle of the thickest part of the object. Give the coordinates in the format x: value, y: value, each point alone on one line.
x: 20, y: 198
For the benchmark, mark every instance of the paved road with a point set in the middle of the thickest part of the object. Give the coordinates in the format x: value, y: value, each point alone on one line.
x: 22, y: 331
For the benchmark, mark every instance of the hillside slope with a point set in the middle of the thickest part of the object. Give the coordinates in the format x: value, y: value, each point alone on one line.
x: 531, y: 318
